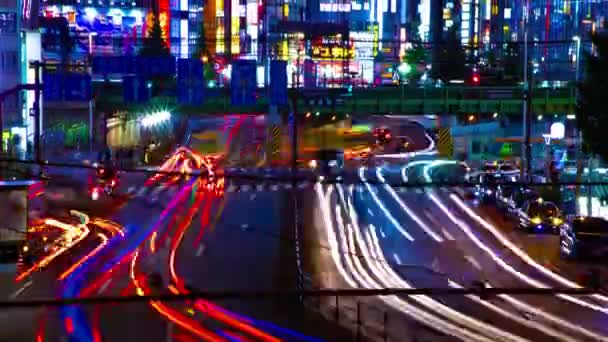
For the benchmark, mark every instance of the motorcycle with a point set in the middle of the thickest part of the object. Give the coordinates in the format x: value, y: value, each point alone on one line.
x: 103, y: 186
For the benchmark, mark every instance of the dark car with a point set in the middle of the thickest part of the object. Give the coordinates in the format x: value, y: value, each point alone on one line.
x: 503, y: 195
x: 519, y: 196
x: 539, y: 217
x: 584, y: 236
x: 486, y: 189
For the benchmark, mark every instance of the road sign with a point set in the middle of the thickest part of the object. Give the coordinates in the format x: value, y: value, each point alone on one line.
x: 278, y: 83
x: 135, y: 89
x: 156, y: 66
x: 52, y: 87
x: 445, y: 143
x: 77, y: 87
x: 190, y: 81
x: 243, y: 83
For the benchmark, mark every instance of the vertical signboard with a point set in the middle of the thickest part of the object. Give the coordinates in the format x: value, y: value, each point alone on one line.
x: 278, y: 83
x: 52, y: 87
x: 190, y: 81
x: 135, y: 89
x: 77, y: 87
x: 309, y: 74
x: 243, y: 83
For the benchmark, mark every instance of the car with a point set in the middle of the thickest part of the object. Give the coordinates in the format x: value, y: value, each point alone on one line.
x: 518, y: 196
x: 329, y: 164
x: 485, y: 190
x: 584, y: 236
x: 539, y: 216
x: 503, y: 195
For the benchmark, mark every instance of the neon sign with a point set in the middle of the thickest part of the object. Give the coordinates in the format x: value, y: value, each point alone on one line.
x: 332, y: 52
x: 164, y: 16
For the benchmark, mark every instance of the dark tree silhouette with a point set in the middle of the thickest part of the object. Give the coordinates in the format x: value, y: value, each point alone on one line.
x: 513, y: 61
x: 452, y: 58
x: 155, y: 45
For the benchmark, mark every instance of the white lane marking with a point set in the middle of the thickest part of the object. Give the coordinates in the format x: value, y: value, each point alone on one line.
x: 21, y: 289
x: 104, y: 286
x: 244, y: 226
x: 397, y: 259
x: 131, y: 189
x: 303, y: 185
x: 370, y: 212
x: 448, y: 235
x: 473, y: 262
x: 274, y: 187
x: 141, y: 192
x: 259, y: 187
x: 245, y: 188
x: 200, y: 250
x: 382, y: 233
x: 287, y: 186
x: 252, y: 197
x: 418, y: 191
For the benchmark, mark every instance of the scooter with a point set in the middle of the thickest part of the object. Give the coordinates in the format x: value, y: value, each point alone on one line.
x: 103, y: 187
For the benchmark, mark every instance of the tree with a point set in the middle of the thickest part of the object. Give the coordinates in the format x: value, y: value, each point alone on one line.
x: 415, y: 57
x: 513, y: 61
x: 591, y: 109
x: 452, y: 58
x: 155, y: 45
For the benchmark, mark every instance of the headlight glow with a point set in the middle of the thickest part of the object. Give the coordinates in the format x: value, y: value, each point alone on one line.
x: 536, y: 220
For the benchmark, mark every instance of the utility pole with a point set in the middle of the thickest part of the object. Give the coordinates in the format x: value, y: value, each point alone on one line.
x: 37, y: 148
x: 525, y: 167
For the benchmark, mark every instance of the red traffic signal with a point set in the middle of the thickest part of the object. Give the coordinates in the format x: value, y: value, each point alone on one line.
x: 475, y: 79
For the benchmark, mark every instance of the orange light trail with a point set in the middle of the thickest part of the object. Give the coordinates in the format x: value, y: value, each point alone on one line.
x: 180, y: 234
x: 170, y: 314
x: 107, y: 275
x: 111, y: 227
x: 152, y: 243
x: 200, y: 304
x: 83, y: 232
x: 104, y: 242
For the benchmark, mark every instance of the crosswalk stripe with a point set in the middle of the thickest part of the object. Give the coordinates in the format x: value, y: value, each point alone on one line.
x: 231, y: 188
x: 419, y: 191
x: 287, y: 186
x: 259, y: 187
x: 245, y: 188
x: 274, y: 187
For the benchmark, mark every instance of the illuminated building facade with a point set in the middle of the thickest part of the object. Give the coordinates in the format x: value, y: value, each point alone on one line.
x: 117, y: 27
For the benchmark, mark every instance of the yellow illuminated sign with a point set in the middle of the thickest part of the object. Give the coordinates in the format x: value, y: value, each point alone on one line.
x: 333, y: 52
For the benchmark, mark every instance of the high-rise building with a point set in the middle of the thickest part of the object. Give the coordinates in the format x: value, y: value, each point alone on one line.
x: 117, y: 27
x: 15, y: 16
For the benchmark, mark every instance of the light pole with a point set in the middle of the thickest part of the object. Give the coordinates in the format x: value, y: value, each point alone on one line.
x: 526, y: 153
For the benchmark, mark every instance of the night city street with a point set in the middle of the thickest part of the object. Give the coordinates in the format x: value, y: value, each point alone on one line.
x: 403, y: 170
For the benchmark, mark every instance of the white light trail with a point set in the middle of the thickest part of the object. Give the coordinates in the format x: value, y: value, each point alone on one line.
x: 467, y: 230
x: 408, y: 210
x: 383, y: 208
x: 415, y: 313
x: 388, y: 278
